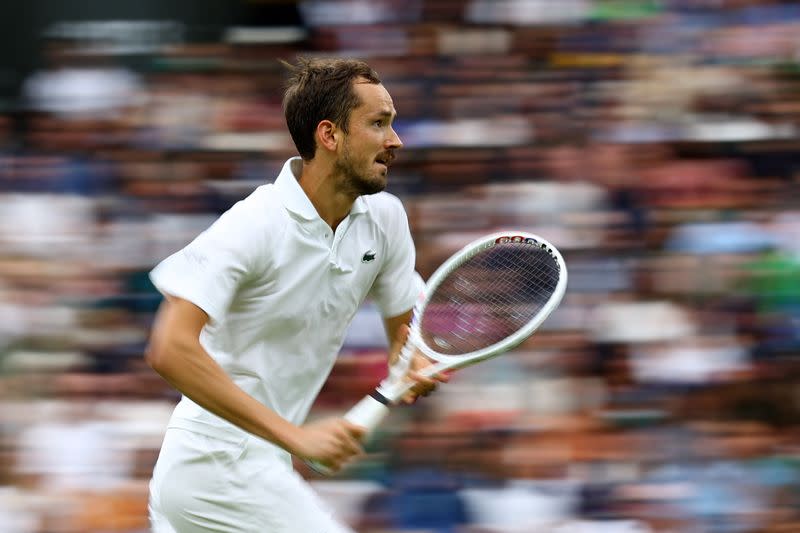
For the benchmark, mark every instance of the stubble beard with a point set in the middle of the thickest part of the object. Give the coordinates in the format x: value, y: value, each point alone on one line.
x: 355, y: 182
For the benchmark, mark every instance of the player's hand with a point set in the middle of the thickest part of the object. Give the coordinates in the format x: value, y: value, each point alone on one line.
x: 423, y: 385
x: 332, y: 442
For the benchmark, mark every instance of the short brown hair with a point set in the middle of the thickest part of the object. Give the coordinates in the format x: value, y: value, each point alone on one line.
x: 321, y: 89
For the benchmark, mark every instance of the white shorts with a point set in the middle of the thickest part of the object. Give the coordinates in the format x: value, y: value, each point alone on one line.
x: 237, y: 484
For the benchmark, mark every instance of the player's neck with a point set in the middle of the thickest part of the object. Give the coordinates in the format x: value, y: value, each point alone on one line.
x: 322, y: 188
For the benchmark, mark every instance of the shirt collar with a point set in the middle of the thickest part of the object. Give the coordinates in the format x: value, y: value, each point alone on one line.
x: 294, y: 197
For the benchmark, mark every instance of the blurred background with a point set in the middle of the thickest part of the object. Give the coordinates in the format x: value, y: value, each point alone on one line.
x: 655, y: 142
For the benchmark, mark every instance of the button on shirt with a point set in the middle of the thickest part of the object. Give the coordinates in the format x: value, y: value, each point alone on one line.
x: 280, y: 288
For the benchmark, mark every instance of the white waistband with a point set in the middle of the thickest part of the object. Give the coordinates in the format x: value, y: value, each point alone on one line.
x: 257, y: 447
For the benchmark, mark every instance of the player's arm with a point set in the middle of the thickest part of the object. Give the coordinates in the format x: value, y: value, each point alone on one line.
x: 176, y: 354
x: 397, y: 332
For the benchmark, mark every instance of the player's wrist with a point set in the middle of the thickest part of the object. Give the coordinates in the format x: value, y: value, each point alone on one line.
x: 287, y: 436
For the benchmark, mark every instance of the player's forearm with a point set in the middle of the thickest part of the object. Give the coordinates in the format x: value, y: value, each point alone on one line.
x: 393, y: 326
x: 188, y: 368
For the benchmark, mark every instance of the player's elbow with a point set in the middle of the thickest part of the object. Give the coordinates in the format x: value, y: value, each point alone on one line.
x: 167, y: 354
x: 175, y: 336
x: 159, y: 353
x: 154, y: 356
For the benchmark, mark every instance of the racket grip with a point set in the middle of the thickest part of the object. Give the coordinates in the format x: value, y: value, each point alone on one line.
x: 367, y: 413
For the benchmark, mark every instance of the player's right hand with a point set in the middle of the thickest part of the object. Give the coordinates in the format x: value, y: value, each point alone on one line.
x: 332, y: 442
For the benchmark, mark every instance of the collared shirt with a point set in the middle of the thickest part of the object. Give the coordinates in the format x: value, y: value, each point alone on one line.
x: 280, y: 288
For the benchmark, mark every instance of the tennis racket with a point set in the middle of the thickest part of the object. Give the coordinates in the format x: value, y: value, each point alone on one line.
x: 483, y: 301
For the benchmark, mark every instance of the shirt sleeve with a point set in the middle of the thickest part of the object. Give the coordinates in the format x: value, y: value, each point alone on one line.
x: 209, y: 270
x: 398, y: 285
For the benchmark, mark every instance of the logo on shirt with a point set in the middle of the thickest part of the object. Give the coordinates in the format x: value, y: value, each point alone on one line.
x: 369, y: 256
x: 196, y: 257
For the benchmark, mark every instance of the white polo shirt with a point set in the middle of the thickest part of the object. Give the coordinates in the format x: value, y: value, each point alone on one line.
x: 280, y: 289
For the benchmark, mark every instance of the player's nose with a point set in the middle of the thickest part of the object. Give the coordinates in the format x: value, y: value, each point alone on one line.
x: 394, y: 141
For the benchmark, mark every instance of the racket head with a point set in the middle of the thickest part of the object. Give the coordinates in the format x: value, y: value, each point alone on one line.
x: 488, y: 297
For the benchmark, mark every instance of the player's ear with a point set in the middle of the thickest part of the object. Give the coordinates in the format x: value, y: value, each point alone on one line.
x: 328, y: 135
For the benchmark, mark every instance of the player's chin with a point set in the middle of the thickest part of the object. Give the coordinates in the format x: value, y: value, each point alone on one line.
x: 375, y: 184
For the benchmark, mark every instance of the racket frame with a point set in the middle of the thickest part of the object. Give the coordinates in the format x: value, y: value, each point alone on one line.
x: 392, y: 389
x: 461, y: 257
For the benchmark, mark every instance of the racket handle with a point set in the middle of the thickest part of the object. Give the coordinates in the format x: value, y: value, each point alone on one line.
x: 367, y: 413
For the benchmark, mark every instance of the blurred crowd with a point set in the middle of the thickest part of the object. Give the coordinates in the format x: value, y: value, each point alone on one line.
x: 654, y: 142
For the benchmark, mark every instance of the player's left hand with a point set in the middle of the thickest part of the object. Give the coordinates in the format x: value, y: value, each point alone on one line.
x: 423, y: 385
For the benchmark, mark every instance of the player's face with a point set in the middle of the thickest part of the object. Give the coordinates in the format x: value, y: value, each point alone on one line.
x: 369, y: 146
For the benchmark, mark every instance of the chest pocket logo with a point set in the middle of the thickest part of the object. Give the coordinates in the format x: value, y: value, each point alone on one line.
x: 368, y: 257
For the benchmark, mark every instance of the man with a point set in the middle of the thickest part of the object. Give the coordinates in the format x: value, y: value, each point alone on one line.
x: 256, y: 309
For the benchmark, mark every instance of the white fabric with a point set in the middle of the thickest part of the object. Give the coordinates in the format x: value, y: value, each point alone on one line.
x: 206, y: 484
x: 280, y: 289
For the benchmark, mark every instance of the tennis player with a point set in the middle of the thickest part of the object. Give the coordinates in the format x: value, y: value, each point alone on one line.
x: 256, y: 309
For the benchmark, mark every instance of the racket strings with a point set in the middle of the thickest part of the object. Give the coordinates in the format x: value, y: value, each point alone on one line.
x: 489, y: 297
